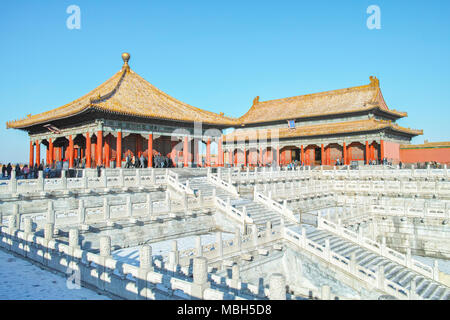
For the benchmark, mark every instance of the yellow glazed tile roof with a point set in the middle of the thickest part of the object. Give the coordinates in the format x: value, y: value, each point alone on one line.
x: 324, y: 103
x: 129, y: 94
x: 319, y: 129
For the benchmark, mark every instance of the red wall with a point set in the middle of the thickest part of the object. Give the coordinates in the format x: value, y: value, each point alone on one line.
x: 392, y: 151
x: 441, y: 155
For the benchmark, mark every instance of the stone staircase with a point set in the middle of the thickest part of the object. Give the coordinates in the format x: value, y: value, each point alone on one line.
x: 258, y: 212
x: 426, y: 288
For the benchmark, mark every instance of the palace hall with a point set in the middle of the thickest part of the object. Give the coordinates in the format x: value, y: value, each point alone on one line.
x: 128, y: 116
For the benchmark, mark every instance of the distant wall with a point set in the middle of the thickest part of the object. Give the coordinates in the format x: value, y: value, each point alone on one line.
x: 441, y: 155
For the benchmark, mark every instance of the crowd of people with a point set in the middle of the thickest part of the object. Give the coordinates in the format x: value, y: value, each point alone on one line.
x: 159, y: 161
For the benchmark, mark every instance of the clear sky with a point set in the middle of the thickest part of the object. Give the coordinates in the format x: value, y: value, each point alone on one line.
x: 219, y: 55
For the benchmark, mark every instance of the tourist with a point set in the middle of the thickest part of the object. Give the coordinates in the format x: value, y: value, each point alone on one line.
x: 47, y: 172
x: 26, y: 172
x: 3, y: 171
x: 142, y: 161
x: 9, y: 169
x: 18, y: 171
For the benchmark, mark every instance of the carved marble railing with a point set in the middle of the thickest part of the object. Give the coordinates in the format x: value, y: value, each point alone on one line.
x: 109, y: 179
x: 274, y: 205
x: 106, y: 273
x: 371, y: 278
x: 173, y: 181
x: 109, y: 211
x: 217, y: 181
x: 380, y: 249
x: 232, y: 212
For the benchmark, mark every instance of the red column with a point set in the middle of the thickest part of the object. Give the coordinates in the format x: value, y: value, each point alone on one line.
x: 60, y: 154
x: 88, y: 150
x: 107, y: 152
x: 322, y: 154
x: 38, y: 152
x: 70, y: 152
x: 208, y: 153
x: 245, y: 157
x: 50, y: 150
x: 344, y: 151
x: 220, y: 153
x: 230, y: 157
x: 31, y: 153
x: 302, y: 154
x: 328, y: 155
x: 150, y: 150
x: 99, y: 153
x: 278, y: 156
x: 367, y: 152
x: 185, y: 151
x: 381, y: 150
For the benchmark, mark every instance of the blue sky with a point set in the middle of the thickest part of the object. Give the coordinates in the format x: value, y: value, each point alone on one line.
x: 219, y: 55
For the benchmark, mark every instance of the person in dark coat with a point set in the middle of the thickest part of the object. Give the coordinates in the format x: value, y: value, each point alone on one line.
x: 18, y: 171
x: 9, y: 169
x: 3, y: 171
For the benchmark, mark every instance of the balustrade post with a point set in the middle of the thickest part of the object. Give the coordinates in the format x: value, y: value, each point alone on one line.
x: 106, y: 209
x: 64, y: 179
x: 235, y: 276
x: 13, y: 182
x: 412, y: 290
x: 81, y: 212
x: 48, y: 231
x: 168, y: 201
x: 200, y: 275
x: 74, y: 238
x: 436, y: 270
x: 85, y: 179
x: 268, y: 231
x: 28, y: 226
x: 254, y: 235
x: 121, y: 178
x: 244, y: 214
x: 198, y: 246
x: 277, y: 287
x: 149, y: 205
x: 219, y: 244
x: 237, y: 240
x: 104, y: 179
x: 129, y: 206
x: 201, y: 199
x: 185, y: 201
x: 380, y: 277
x: 50, y: 212
x: 138, y: 177
x: 408, y: 258
x: 152, y: 175
x: 325, y: 293
x: 40, y: 180
x: 105, y: 246
x: 145, y: 258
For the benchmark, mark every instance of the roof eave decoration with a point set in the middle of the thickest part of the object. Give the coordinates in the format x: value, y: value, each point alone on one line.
x: 370, y: 125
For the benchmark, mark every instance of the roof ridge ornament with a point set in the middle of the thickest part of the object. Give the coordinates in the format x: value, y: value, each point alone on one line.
x: 374, y: 81
x: 125, y: 57
x: 256, y: 100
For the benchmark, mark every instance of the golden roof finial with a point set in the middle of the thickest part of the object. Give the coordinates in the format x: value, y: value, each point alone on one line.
x: 125, y: 58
